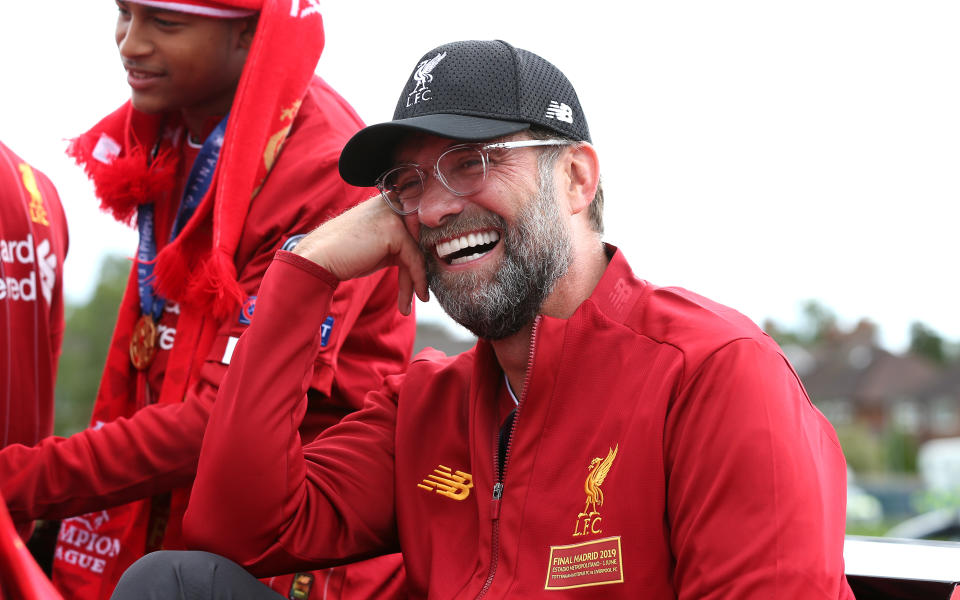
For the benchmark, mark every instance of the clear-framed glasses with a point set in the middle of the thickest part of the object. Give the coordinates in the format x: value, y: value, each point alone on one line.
x: 462, y: 169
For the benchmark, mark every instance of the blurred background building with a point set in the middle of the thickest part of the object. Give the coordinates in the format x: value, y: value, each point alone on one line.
x: 890, y: 410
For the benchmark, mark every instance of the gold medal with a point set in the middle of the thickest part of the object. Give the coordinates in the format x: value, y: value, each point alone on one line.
x: 143, y: 342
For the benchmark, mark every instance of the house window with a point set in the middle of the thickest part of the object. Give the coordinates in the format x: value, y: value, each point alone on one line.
x: 838, y: 411
x: 906, y: 416
x: 944, y: 418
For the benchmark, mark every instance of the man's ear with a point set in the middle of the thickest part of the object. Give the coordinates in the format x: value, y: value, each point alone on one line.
x: 581, y: 176
x: 248, y: 27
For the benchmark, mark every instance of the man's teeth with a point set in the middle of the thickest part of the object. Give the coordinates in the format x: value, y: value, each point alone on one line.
x: 463, y: 259
x: 471, y: 240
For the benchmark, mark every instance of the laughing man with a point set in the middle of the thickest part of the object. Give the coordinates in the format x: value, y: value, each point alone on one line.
x: 604, y: 433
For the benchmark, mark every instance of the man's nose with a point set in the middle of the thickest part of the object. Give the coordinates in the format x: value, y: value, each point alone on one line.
x: 438, y: 204
x: 132, y: 40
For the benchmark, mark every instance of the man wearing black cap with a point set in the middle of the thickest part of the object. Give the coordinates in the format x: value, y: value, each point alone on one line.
x: 604, y: 433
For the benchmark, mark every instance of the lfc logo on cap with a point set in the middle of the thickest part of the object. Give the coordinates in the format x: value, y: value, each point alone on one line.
x: 422, y: 76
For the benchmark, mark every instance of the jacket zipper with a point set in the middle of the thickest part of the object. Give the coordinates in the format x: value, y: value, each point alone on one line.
x: 498, y: 486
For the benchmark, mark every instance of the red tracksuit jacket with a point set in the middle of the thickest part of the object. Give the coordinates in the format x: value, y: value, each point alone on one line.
x: 33, y: 245
x: 663, y: 447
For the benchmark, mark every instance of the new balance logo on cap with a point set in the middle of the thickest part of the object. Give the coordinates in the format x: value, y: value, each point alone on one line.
x: 560, y: 112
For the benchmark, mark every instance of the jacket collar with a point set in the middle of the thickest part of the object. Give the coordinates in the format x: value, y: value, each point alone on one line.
x: 614, y: 297
x: 618, y: 290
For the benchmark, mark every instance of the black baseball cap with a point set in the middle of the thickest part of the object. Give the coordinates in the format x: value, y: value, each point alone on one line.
x: 471, y: 91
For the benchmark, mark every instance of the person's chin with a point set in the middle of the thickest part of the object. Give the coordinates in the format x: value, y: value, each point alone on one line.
x: 148, y: 103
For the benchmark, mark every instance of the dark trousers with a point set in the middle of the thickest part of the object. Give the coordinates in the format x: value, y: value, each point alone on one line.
x: 169, y: 575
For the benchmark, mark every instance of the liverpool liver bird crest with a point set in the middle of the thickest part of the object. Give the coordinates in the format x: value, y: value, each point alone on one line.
x: 598, y: 469
x: 422, y: 73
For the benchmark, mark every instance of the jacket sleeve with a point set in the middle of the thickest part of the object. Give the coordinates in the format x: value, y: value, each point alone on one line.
x: 756, y: 482
x: 261, y: 497
x: 153, y: 451
x: 156, y: 449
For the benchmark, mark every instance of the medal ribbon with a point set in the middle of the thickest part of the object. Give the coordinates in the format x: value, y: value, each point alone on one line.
x: 201, y: 176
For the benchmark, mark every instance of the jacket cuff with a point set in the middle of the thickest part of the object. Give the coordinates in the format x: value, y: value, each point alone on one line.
x: 305, y: 264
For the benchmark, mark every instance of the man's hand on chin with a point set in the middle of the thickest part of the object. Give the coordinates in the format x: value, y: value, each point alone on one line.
x: 365, y: 239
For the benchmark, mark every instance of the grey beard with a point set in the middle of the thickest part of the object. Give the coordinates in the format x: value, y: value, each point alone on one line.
x: 537, y: 253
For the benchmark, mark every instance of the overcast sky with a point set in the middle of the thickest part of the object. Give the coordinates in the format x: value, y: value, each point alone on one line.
x: 758, y: 152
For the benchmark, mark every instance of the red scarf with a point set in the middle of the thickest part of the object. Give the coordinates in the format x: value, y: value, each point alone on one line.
x: 128, y: 166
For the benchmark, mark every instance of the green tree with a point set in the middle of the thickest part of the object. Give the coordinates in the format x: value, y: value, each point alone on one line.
x: 86, y: 338
x: 782, y: 335
x: 900, y: 451
x: 926, y: 342
x: 817, y: 323
x: 863, y: 449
